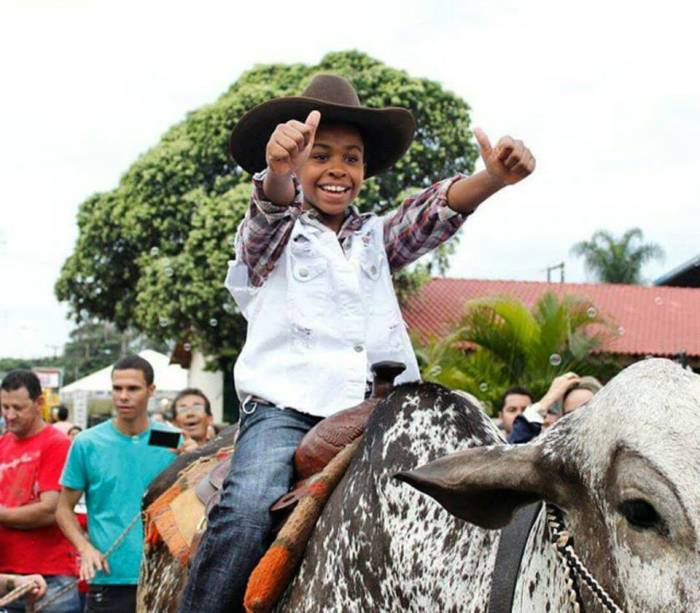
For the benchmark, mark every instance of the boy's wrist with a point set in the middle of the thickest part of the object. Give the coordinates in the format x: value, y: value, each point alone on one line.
x: 492, y: 182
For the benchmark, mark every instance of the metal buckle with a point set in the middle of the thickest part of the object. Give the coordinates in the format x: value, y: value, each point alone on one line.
x: 253, y: 405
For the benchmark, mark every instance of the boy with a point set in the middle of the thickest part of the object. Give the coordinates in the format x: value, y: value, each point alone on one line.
x: 313, y: 278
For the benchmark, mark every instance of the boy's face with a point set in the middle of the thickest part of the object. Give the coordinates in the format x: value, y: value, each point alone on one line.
x: 332, y: 176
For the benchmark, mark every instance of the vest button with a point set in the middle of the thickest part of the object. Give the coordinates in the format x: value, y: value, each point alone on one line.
x: 358, y: 348
x: 304, y: 272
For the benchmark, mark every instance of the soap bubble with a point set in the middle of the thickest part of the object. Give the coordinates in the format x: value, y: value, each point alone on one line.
x: 555, y: 359
x: 213, y: 322
x: 231, y: 241
x: 155, y: 251
x: 435, y: 370
x: 484, y: 387
x: 592, y: 312
x: 168, y: 272
x: 187, y: 347
x: 163, y: 321
x: 228, y: 307
x: 620, y: 331
x: 658, y: 300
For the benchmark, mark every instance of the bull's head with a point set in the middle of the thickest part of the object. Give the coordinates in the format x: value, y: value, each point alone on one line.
x: 626, y: 472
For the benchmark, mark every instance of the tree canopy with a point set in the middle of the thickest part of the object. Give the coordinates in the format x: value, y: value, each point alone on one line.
x: 500, y: 342
x: 613, y: 260
x: 152, y: 253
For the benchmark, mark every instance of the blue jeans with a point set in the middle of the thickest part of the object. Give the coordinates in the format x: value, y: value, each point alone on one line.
x: 238, y: 531
x: 68, y: 602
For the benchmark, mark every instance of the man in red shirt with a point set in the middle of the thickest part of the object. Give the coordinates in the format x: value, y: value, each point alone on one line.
x: 32, y: 455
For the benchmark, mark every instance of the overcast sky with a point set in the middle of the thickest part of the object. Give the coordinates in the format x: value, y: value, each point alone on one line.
x: 605, y: 93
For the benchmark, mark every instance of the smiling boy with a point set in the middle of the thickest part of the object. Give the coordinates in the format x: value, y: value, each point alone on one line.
x: 312, y: 276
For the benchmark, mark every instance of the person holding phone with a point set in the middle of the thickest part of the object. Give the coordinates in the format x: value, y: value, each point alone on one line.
x: 113, y: 463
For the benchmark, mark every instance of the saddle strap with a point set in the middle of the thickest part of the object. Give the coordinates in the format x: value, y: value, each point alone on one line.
x: 508, y: 558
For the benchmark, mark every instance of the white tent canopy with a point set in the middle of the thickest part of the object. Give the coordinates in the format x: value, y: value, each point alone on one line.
x: 168, y: 377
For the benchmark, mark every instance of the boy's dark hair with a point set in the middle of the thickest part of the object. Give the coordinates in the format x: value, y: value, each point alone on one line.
x: 135, y: 362
x: 61, y: 412
x: 516, y: 389
x: 22, y: 378
x: 192, y: 391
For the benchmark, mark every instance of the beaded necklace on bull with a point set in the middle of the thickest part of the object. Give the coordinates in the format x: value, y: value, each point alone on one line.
x: 564, y: 544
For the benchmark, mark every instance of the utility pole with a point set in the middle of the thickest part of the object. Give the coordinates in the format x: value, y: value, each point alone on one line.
x: 560, y: 267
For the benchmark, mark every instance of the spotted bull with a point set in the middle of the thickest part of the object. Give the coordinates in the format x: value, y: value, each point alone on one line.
x: 624, y: 471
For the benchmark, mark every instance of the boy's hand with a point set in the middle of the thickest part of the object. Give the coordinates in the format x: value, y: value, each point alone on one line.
x: 290, y: 144
x: 508, y: 162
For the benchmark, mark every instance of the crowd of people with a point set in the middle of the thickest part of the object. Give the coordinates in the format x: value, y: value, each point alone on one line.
x: 70, y: 500
x: 71, y: 537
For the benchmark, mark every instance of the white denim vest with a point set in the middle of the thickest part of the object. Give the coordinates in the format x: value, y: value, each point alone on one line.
x: 320, y: 320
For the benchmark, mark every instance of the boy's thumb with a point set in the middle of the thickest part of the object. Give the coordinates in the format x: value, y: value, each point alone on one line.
x: 313, y: 120
x: 484, y: 142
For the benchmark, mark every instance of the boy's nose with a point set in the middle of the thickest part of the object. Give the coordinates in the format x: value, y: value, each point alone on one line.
x: 337, y: 172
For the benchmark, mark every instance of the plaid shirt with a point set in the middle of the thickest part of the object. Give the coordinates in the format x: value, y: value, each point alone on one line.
x: 420, y: 224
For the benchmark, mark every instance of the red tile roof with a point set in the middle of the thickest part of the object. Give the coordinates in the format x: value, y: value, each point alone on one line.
x: 657, y: 321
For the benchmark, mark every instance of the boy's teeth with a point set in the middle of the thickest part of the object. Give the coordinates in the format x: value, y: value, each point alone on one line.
x: 333, y: 188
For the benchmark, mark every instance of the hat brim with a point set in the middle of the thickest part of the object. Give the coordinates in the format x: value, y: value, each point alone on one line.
x: 387, y: 133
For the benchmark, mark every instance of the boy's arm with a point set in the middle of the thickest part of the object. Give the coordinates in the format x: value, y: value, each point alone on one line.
x: 277, y: 198
x: 265, y: 230
x: 425, y: 221
x: 507, y: 163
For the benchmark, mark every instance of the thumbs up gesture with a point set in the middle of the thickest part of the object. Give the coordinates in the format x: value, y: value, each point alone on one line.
x: 290, y: 144
x: 508, y: 162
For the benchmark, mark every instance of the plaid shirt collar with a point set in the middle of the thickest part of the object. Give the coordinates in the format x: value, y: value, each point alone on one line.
x: 353, y: 221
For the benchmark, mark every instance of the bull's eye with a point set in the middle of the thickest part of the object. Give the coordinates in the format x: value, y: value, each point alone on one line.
x: 641, y: 515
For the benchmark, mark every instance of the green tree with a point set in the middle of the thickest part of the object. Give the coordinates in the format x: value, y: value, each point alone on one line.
x: 152, y: 253
x: 500, y: 342
x: 617, y: 261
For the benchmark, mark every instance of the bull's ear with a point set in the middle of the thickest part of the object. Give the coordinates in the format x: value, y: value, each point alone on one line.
x: 486, y: 485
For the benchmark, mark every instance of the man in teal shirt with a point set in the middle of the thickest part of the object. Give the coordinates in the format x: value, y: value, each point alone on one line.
x: 113, y: 464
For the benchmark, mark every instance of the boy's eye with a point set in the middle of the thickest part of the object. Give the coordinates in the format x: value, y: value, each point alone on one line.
x: 353, y: 159
x: 320, y: 156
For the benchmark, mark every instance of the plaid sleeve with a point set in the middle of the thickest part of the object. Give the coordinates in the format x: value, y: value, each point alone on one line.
x: 265, y: 230
x: 420, y: 224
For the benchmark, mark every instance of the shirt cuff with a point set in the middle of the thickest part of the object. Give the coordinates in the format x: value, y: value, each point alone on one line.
x: 272, y: 211
x: 445, y: 213
x: 533, y: 414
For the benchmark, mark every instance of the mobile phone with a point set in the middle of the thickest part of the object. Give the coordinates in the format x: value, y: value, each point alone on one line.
x: 164, y: 438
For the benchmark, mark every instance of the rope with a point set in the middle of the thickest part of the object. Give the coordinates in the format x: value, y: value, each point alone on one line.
x: 17, y: 593
x: 564, y: 543
x: 45, y: 602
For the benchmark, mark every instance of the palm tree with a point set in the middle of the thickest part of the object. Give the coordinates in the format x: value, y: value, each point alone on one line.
x: 617, y: 261
x: 500, y: 342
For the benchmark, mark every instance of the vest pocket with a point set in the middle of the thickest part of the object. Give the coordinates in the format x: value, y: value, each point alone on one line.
x: 305, y: 270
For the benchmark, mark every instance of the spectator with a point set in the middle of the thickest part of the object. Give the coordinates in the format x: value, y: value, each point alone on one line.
x: 192, y: 413
x: 31, y: 458
x: 515, y: 400
x: 580, y: 393
x: 113, y: 464
x: 568, y: 391
x: 60, y: 419
x: 73, y: 432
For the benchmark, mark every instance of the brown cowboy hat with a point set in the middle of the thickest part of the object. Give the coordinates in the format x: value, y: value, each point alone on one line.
x: 387, y: 133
